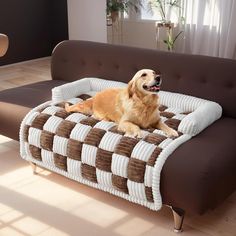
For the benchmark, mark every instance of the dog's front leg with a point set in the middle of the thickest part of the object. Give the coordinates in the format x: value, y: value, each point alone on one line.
x: 169, y: 131
x: 130, y: 129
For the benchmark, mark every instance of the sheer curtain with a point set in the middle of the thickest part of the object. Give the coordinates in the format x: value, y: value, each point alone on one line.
x: 210, y: 28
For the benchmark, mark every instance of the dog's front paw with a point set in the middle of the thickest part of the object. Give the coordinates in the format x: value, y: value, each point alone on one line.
x: 67, y: 107
x: 172, y: 133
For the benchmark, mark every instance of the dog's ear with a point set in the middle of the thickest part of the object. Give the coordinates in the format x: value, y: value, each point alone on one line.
x: 131, y: 88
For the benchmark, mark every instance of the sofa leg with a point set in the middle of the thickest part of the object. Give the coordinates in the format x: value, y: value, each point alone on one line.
x: 178, y: 219
x: 34, y: 167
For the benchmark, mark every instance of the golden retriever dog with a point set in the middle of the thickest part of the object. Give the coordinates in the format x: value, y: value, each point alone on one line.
x: 132, y: 108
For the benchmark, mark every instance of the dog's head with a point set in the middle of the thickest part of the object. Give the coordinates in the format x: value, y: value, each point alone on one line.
x: 146, y: 82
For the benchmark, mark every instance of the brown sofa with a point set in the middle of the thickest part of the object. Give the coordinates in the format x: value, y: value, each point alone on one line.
x: 200, y: 174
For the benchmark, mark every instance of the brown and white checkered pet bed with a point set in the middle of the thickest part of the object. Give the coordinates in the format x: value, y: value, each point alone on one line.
x: 95, y: 153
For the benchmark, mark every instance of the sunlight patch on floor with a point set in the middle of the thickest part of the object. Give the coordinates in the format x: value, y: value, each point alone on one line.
x: 11, y: 216
x: 55, y: 232
x: 30, y: 226
x: 138, y: 226
x: 4, y: 209
x: 7, y: 231
x: 99, y: 213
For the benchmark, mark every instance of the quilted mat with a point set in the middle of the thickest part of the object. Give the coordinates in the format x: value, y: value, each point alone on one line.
x: 95, y: 153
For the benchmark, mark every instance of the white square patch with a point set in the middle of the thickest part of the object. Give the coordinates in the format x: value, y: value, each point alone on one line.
x: 52, y: 123
x: 104, y: 178
x: 148, y: 176
x: 165, y: 143
x: 136, y: 190
x: 109, y: 141
x: 76, y: 117
x: 88, y: 154
x: 174, y: 110
x: 158, y: 131
x: 47, y: 157
x: 74, y: 167
x: 74, y: 100
x: 163, y: 119
x: 52, y: 110
x: 60, y: 145
x: 143, y: 150
x: 80, y: 132
x: 119, y: 165
x: 106, y: 125
x: 179, y: 116
x: 34, y: 136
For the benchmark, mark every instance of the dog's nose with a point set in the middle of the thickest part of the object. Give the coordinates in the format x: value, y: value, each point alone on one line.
x: 158, y: 78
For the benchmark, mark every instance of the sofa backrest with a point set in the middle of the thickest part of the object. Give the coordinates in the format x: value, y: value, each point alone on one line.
x: 205, y: 77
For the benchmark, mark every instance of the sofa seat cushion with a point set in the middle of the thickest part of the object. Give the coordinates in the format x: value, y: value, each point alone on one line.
x: 201, y: 173
x: 15, y: 103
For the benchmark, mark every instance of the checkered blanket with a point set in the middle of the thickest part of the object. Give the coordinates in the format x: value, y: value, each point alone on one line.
x: 95, y: 153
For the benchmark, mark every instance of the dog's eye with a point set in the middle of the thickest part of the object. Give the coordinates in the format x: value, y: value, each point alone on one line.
x: 144, y: 74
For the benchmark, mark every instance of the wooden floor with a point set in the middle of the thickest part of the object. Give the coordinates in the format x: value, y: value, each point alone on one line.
x: 24, y: 73
x: 48, y: 204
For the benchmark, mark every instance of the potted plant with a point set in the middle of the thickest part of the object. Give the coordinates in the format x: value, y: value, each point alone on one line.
x: 165, y: 8
x: 116, y: 6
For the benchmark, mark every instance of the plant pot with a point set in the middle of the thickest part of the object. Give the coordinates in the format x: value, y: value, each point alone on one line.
x: 114, y: 16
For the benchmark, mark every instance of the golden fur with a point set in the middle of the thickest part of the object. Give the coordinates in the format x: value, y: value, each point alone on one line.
x: 131, y: 108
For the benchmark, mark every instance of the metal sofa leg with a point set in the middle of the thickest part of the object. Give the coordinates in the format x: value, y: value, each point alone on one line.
x: 34, y: 167
x: 178, y: 219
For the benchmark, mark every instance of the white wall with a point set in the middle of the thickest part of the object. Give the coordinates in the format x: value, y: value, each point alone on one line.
x: 87, y: 20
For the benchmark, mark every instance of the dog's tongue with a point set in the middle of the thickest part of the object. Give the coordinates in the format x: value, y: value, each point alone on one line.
x: 155, y: 88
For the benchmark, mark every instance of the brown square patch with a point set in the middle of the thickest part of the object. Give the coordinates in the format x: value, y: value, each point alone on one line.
x: 26, y: 133
x: 186, y: 112
x: 74, y: 149
x: 125, y: 146
x: 162, y: 108
x: 154, y: 138
x: 84, y: 96
x: 173, y: 123
x: 120, y: 183
x: 62, y: 104
x: 167, y: 114
x: 35, y: 152
x: 89, y: 121
x: 43, y: 108
x: 62, y: 114
x: 136, y: 170
x: 65, y: 128
x: 46, y: 140
x: 94, y: 137
x: 148, y: 192
x: 40, y: 120
x: 89, y: 172
x: 152, y: 160
x: 114, y: 129
x: 60, y: 161
x: 103, y: 160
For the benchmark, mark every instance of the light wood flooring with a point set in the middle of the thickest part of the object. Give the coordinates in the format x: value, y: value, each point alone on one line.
x: 48, y: 204
x: 24, y: 73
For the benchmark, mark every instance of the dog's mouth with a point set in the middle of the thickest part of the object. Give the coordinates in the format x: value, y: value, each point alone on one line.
x: 153, y: 88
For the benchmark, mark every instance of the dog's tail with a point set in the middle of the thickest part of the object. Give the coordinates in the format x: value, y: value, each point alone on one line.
x: 85, y: 107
